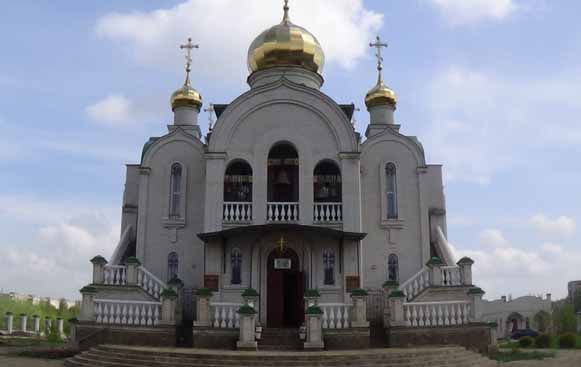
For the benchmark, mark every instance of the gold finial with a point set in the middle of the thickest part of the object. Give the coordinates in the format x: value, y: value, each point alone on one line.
x: 286, y: 17
x: 281, y: 244
x: 210, y: 111
x: 189, y: 46
x: 378, y: 45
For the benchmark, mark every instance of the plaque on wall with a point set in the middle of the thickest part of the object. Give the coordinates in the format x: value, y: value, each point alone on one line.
x: 351, y: 282
x: 282, y: 264
x: 212, y: 282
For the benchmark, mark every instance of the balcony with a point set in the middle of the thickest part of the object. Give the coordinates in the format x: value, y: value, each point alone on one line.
x: 237, y: 212
x: 328, y: 213
x: 282, y: 212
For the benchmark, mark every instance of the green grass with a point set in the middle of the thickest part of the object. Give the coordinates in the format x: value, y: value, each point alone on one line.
x: 43, y: 310
x: 517, y: 355
x: 511, y: 344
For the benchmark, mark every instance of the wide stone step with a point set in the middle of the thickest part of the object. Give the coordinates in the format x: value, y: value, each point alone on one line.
x: 115, y: 356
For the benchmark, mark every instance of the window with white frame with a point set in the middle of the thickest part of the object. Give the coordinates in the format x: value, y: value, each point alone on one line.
x: 329, y: 267
x: 175, y: 191
x: 236, y: 266
x: 172, y: 266
x: 391, y: 190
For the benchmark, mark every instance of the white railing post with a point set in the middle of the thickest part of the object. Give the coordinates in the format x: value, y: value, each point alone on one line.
x: 396, y: 299
x: 237, y: 212
x: 132, y: 265
x: 476, y: 305
x: 416, y: 284
x: 9, y: 322
x: 314, y: 326
x: 328, y: 213
x: 60, y: 327
x: 23, y: 322
x: 121, y: 312
x: 465, y: 265
x: 87, y: 312
x: 203, y: 297
x: 99, y: 263
x: 168, y: 306
x: 359, y: 317
x: 435, y: 265
x: 247, y: 338
x: 282, y: 212
x: 36, y: 324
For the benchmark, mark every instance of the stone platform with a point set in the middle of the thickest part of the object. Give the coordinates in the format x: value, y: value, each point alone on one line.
x: 125, y: 356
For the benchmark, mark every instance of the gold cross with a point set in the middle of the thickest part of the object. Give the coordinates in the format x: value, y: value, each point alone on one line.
x: 378, y: 45
x: 286, y: 17
x: 281, y: 244
x: 189, y: 46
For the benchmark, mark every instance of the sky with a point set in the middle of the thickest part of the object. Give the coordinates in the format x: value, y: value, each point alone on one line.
x: 490, y: 87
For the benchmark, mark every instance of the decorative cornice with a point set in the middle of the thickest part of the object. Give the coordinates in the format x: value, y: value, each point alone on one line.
x: 216, y: 155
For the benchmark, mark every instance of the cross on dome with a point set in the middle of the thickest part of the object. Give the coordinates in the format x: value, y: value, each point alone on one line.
x: 189, y: 46
x: 378, y: 45
x: 286, y: 17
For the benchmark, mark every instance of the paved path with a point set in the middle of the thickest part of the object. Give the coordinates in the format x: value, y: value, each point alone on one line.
x: 10, y: 361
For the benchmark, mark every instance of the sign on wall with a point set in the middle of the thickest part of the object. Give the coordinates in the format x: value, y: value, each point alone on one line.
x: 282, y: 264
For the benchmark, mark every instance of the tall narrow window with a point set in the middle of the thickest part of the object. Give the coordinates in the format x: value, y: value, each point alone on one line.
x: 176, y: 191
x: 391, y: 190
x: 236, y: 265
x: 392, y: 268
x: 172, y: 266
x: 329, y: 266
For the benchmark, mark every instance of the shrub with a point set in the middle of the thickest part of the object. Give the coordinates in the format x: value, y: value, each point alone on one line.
x: 526, y: 342
x: 543, y: 341
x: 567, y: 341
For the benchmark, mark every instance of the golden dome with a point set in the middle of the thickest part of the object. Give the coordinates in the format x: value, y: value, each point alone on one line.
x: 186, y: 96
x: 380, y: 95
x: 286, y: 44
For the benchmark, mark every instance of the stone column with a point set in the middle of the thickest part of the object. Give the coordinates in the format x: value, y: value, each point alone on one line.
x: 60, y: 327
x: 99, y: 263
x: 311, y: 298
x: 36, y: 324
x: 247, y: 339
x: 465, y: 265
x: 493, y: 333
x: 88, y: 304
x: 23, y: 322
x: 388, y: 287
x: 476, y: 307
x: 203, y: 307
x: 177, y: 286
x: 435, y: 264
x: 132, y: 265
x: 47, y: 325
x: 396, y: 299
x: 9, y: 322
x: 250, y: 297
x: 168, y: 307
x: 359, y: 316
x: 313, y: 317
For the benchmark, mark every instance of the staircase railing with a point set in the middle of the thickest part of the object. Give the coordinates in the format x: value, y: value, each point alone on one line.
x: 336, y: 315
x: 149, y: 282
x: 224, y: 315
x: 416, y: 284
x: 451, y: 276
x: 434, y: 314
x: 121, y: 312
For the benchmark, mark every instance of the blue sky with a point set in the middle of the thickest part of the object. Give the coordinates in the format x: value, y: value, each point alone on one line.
x: 491, y: 88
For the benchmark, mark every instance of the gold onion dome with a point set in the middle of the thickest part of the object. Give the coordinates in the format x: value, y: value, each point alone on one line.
x: 380, y: 95
x: 286, y: 44
x: 186, y: 96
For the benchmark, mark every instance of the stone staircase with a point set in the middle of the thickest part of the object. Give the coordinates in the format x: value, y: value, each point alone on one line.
x: 279, y: 339
x: 124, y: 356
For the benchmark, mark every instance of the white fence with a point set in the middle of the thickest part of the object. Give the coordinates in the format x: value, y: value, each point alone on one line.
x: 223, y: 315
x: 282, y: 212
x: 119, y: 312
x: 433, y: 314
x: 336, y: 315
x: 149, y: 282
x: 416, y: 284
x: 451, y: 276
x: 328, y: 213
x: 115, y: 275
x: 237, y: 212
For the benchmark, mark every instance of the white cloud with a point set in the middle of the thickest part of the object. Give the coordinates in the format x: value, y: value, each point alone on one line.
x: 493, y: 237
x: 462, y: 12
x: 111, y: 110
x: 481, y: 123
x: 560, y: 226
x: 225, y: 28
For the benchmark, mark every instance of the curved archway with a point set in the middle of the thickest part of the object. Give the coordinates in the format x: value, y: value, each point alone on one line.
x: 285, y: 281
x: 283, y: 183
x: 238, y: 192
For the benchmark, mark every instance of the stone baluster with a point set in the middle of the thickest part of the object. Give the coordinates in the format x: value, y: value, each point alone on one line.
x: 247, y: 339
x: 36, y: 324
x: 314, y: 326
x: 435, y: 264
x: 476, y: 307
x: 9, y: 322
x: 388, y: 287
x: 132, y: 264
x: 465, y: 265
x: 47, y: 325
x: 23, y: 322
x: 88, y: 304
x: 359, y: 317
x: 168, y: 306
x: 203, y: 307
x: 396, y: 299
x: 60, y: 327
x: 99, y: 263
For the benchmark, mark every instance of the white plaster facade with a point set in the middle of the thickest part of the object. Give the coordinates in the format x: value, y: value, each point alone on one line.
x: 524, y: 312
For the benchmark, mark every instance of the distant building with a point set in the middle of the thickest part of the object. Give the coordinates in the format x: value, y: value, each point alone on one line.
x: 35, y: 300
x: 574, y: 287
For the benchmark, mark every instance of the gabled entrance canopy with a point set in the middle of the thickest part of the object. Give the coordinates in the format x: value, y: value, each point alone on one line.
x: 278, y: 227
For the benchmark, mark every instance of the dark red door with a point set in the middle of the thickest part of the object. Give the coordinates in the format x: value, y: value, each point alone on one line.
x: 285, y: 291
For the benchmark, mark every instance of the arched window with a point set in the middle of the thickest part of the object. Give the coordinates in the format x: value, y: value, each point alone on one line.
x: 391, y: 190
x: 327, y: 183
x: 175, y: 191
x: 238, y: 182
x: 172, y: 266
x: 236, y: 266
x: 283, y: 174
x: 393, y: 268
x: 329, y: 266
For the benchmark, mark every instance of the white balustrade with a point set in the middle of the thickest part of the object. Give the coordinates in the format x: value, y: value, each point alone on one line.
x: 416, y: 284
x: 115, y: 275
x: 282, y: 212
x: 451, y: 276
x: 237, y: 212
x: 328, y: 213
x: 149, y: 282
x: 224, y: 315
x: 336, y: 315
x: 119, y: 312
x: 435, y: 314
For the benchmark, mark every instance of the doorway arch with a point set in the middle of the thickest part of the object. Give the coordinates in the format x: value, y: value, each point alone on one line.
x: 285, y: 289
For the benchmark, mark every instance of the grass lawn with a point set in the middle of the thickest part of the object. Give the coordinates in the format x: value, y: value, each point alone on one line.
x: 516, y: 355
x: 553, y: 345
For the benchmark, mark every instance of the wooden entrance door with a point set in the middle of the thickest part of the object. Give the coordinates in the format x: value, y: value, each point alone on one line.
x: 285, y: 290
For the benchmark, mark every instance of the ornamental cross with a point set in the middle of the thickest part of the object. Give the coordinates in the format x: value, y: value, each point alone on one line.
x: 189, y: 47
x: 286, y: 8
x: 281, y: 244
x: 210, y: 111
x: 378, y: 45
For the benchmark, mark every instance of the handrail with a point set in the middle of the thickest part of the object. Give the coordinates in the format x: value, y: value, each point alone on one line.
x: 153, y: 276
x: 436, y: 303
x: 127, y: 302
x: 407, y: 282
